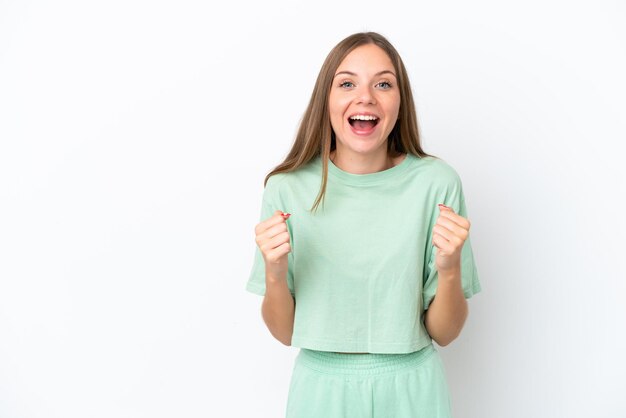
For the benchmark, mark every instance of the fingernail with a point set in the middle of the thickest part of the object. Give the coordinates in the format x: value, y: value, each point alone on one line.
x: 442, y: 205
x: 286, y: 215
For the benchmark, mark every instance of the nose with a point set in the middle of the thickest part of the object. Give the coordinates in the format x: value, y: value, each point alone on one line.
x: 365, y: 95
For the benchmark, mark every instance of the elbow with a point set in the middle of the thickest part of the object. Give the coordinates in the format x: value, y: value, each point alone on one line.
x: 443, y: 336
x: 280, y: 327
x: 446, y: 338
x: 284, y: 339
x: 444, y: 341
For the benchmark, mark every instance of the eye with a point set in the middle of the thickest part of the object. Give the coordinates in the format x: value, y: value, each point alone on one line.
x: 347, y: 84
x: 384, y: 85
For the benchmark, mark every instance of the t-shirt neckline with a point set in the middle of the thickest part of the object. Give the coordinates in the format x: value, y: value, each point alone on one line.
x: 369, y: 178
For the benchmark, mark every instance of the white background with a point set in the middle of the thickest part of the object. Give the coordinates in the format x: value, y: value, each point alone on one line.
x: 135, y: 136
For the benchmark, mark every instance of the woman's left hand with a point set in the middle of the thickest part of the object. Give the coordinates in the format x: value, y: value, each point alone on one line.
x: 449, y: 234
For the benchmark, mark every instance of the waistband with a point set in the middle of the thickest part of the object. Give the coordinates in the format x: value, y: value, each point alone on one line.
x: 361, y: 364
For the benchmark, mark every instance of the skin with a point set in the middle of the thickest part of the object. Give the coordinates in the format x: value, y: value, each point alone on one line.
x: 278, y: 307
x: 365, y: 82
x: 448, y: 311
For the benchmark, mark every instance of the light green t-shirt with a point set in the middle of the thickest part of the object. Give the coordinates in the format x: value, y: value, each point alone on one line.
x: 362, y: 268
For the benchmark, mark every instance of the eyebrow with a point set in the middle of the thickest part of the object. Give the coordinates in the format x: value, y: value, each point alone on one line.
x: 375, y: 75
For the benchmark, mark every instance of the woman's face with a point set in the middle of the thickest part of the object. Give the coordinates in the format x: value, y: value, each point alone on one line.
x: 364, y: 101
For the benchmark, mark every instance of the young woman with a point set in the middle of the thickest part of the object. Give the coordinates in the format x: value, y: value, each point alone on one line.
x: 363, y: 252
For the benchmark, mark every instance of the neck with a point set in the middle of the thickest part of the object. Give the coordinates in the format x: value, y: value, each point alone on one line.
x: 363, y: 164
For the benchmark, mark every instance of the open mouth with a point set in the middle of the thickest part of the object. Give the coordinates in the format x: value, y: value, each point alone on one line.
x: 363, y: 123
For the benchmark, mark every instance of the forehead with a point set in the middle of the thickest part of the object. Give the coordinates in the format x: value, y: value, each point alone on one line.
x: 368, y: 58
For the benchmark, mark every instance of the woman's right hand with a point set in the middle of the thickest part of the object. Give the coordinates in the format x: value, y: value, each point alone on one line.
x: 272, y: 238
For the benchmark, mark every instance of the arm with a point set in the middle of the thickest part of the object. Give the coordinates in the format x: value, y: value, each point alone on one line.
x: 448, y: 311
x: 278, y: 308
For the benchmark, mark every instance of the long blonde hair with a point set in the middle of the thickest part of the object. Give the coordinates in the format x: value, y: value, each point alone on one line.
x: 315, y: 135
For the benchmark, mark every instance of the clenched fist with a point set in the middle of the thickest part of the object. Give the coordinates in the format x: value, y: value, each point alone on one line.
x: 449, y: 235
x: 272, y: 238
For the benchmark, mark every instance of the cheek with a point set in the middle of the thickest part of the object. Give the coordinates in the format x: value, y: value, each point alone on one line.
x: 336, y: 108
x: 393, y: 108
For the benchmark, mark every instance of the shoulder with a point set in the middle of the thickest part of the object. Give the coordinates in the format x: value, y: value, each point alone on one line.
x: 302, y: 177
x: 275, y: 180
x: 280, y: 186
x: 440, y: 172
x: 274, y: 185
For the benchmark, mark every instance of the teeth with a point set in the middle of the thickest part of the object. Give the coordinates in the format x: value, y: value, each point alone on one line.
x: 363, y: 117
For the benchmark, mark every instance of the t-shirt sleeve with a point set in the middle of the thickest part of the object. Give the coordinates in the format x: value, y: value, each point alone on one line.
x: 270, y: 203
x: 469, y: 274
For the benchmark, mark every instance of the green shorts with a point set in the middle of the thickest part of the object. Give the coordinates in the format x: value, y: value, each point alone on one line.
x: 338, y: 385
